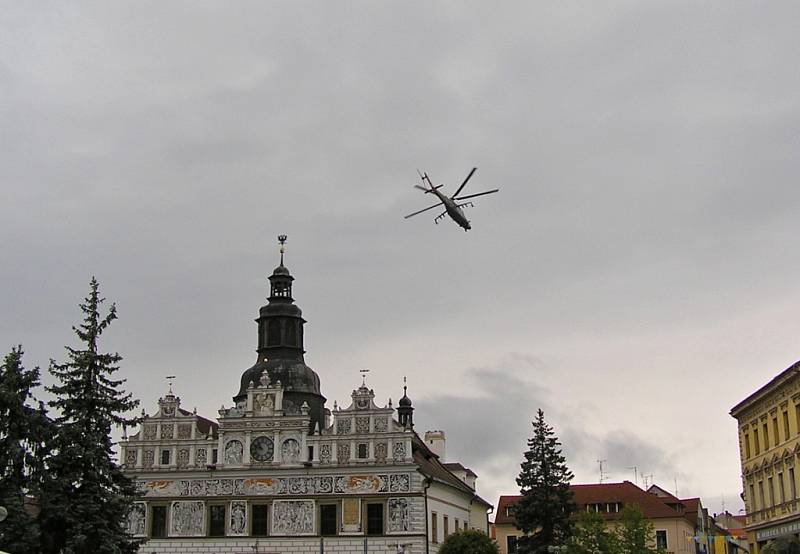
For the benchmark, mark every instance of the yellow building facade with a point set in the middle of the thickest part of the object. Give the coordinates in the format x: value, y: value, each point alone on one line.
x: 769, y: 448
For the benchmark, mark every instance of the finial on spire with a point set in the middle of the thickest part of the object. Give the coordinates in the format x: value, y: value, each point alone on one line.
x: 363, y: 373
x: 405, y: 387
x: 170, y: 379
x: 282, y: 240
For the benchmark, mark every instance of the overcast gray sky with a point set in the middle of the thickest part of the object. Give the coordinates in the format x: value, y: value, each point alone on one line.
x: 635, y: 277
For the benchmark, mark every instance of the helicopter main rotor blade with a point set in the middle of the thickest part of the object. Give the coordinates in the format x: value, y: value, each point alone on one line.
x: 420, y: 187
x: 425, y: 210
x: 465, y: 181
x: 477, y: 194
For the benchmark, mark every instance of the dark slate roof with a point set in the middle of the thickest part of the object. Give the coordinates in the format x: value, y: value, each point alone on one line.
x: 455, y: 466
x: 430, y: 466
x: 205, y: 426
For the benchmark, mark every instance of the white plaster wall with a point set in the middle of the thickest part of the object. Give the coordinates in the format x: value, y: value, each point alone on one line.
x: 446, y: 501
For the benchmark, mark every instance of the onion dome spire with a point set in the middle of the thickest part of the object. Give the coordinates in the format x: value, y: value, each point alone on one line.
x: 405, y: 411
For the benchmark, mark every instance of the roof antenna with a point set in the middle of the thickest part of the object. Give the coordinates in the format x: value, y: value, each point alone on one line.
x: 602, y: 475
x: 635, y: 474
x: 282, y: 240
x: 170, y: 379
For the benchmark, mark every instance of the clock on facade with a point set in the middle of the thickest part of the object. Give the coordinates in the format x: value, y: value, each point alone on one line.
x: 362, y: 403
x: 261, y: 449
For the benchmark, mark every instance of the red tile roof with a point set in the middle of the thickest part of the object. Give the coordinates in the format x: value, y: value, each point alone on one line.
x: 625, y: 493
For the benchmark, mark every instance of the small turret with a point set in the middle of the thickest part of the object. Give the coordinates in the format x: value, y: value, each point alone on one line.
x: 405, y: 411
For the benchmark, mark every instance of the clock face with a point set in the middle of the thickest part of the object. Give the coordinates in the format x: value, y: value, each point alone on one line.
x: 362, y: 403
x: 261, y: 449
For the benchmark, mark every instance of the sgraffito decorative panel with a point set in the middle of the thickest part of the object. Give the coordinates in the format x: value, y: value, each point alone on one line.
x: 149, y: 432
x: 380, y: 424
x: 238, y: 518
x: 399, y: 450
x: 130, y: 457
x: 166, y: 431
x: 183, y: 457
x: 137, y: 520
x: 200, y: 457
x: 343, y: 426
x: 362, y: 424
x: 399, y: 515
x: 343, y: 452
x: 234, y: 450
x: 187, y: 518
x: 380, y: 452
x: 184, y: 430
x: 280, y: 486
x: 325, y: 453
x: 148, y: 458
x: 293, y: 517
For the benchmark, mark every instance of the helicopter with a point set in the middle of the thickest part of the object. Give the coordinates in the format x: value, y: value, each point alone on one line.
x: 452, y: 204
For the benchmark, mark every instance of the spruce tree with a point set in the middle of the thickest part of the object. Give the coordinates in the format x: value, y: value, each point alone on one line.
x: 543, y: 513
x: 86, y: 509
x: 24, y: 434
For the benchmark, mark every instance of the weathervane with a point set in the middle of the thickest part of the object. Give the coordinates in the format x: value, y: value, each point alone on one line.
x: 170, y: 379
x: 282, y: 240
x: 363, y: 373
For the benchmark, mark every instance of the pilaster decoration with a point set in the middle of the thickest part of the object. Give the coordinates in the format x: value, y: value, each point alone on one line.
x: 234, y: 450
x: 183, y: 457
x: 380, y: 452
x: 343, y: 452
x: 166, y: 430
x: 399, y: 450
x: 149, y: 433
x: 362, y: 424
x: 130, y: 458
x: 184, y: 430
x: 399, y: 515
x: 148, y: 458
x: 343, y: 426
x: 325, y: 453
x: 137, y: 520
x: 237, y: 524
x: 293, y: 517
x: 200, y: 457
x: 187, y: 518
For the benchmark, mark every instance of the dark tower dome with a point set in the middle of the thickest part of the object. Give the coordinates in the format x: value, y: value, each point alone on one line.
x: 405, y: 411
x: 280, y: 350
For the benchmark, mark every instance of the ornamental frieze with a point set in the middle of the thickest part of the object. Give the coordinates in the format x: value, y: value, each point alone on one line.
x: 279, y: 486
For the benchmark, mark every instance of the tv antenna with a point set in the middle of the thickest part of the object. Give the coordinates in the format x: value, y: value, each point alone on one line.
x: 602, y: 475
x: 648, y: 480
x: 635, y: 474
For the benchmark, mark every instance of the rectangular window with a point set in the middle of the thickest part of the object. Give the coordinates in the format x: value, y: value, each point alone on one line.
x: 455, y: 525
x: 445, y: 526
x: 434, y: 527
x: 766, y: 437
x: 158, y: 522
x: 775, y: 436
x: 786, y: 426
x: 761, y: 494
x: 509, y: 511
x: 511, y: 543
x: 327, y: 520
x: 216, y: 520
x: 753, y: 507
x: 661, y: 539
x: 165, y: 457
x: 310, y: 453
x: 792, y: 485
x: 260, y: 520
x: 771, y: 491
x: 214, y: 456
x: 374, y: 519
x: 756, y: 442
x: 797, y: 417
x: 363, y: 450
x: 781, y: 489
x: 746, y: 446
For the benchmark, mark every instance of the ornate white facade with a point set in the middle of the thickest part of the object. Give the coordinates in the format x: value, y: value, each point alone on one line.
x: 273, y: 475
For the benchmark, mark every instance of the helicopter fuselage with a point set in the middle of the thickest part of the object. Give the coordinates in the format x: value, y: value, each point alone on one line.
x: 453, y: 210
